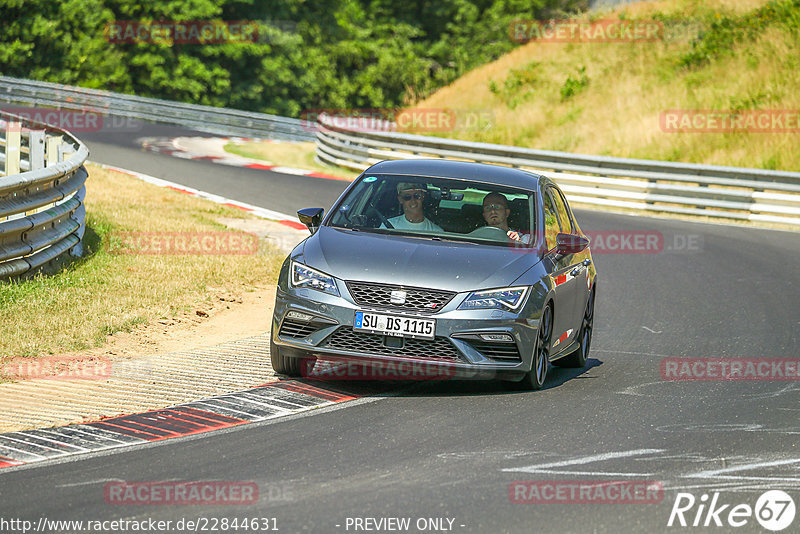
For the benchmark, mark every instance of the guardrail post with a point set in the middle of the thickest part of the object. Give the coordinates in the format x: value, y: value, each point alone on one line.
x: 64, y: 149
x: 13, y: 144
x: 51, y: 149
x: 36, y: 144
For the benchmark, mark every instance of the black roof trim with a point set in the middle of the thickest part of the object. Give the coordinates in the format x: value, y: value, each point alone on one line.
x: 441, y: 168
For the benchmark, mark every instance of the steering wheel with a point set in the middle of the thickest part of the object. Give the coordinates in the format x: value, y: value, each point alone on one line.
x: 383, y: 219
x: 490, y: 232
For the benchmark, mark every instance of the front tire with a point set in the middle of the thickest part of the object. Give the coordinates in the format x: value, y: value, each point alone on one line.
x: 535, y: 378
x: 282, y: 364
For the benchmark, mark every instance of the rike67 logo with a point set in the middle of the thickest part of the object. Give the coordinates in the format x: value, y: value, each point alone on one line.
x: 774, y: 510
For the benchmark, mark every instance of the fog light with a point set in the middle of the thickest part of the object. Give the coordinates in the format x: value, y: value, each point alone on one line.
x: 499, y: 338
x: 299, y: 316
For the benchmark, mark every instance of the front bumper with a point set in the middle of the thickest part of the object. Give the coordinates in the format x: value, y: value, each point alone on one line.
x: 322, y: 327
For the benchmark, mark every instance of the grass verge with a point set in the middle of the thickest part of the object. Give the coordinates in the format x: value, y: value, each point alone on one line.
x: 288, y: 154
x: 105, y: 292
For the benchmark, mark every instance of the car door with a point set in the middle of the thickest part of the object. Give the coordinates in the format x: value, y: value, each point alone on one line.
x: 581, y: 262
x: 568, y: 273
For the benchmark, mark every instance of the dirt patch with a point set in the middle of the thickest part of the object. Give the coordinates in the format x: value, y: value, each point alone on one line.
x: 227, y: 317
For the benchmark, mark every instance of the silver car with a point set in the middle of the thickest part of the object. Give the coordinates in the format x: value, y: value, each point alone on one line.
x: 437, y: 269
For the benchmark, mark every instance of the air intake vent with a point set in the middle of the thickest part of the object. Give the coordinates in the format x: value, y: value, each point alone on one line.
x: 504, y: 352
x: 298, y: 329
x: 346, y: 339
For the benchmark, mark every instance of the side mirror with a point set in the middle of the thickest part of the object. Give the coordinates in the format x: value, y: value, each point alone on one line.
x: 570, y: 244
x: 311, y: 217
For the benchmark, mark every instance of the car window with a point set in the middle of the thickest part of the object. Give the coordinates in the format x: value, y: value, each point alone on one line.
x: 561, y: 211
x: 551, y: 223
x: 447, y: 208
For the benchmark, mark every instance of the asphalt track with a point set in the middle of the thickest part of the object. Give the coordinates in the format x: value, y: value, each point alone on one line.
x: 451, y: 450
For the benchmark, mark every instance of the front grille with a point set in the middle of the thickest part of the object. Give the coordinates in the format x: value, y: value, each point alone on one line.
x: 297, y: 329
x: 345, y: 339
x: 417, y: 299
x: 506, y: 352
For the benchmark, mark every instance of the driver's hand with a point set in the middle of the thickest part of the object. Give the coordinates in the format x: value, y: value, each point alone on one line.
x: 513, y: 235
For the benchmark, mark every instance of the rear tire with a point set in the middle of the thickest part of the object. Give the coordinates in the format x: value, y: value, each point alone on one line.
x: 577, y: 359
x: 282, y: 364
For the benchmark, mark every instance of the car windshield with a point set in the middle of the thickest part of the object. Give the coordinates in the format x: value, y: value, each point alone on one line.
x: 439, y: 208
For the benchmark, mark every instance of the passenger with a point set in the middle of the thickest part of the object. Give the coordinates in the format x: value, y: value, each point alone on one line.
x: 411, y: 195
x: 496, y: 212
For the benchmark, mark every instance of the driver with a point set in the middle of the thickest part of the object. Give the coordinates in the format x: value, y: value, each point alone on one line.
x: 496, y: 212
x: 410, y: 195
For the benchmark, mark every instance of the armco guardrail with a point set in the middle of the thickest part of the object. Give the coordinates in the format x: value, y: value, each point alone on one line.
x: 41, y: 194
x: 686, y: 188
x: 223, y: 121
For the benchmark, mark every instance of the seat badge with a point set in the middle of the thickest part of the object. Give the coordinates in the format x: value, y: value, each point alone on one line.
x: 398, y: 297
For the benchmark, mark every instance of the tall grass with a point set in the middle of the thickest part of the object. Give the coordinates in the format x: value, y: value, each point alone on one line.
x: 607, y: 98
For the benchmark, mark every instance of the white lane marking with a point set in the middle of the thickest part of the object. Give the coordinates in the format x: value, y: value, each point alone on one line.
x: 772, y: 394
x: 33, y: 444
x: 257, y: 403
x: 23, y: 453
x: 583, y: 460
x: 587, y: 473
x: 259, y: 400
x: 634, y: 353
x: 90, y: 482
x: 728, y: 486
x: 61, y: 443
x: 737, y: 427
x: 650, y: 330
x: 104, y: 434
x: 290, y: 170
x: 716, y: 473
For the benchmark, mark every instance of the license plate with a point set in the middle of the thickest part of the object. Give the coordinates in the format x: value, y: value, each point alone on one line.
x: 394, y: 325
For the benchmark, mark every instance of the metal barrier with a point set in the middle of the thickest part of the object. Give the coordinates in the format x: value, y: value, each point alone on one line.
x: 41, y: 194
x: 211, y: 119
x: 685, y: 188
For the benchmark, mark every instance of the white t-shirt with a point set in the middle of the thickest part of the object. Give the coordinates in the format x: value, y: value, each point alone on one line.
x: 401, y: 223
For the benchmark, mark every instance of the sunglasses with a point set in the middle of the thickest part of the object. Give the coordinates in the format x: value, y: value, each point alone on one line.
x: 415, y: 196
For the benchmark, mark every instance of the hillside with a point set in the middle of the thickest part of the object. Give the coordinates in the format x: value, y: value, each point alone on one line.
x: 609, y: 97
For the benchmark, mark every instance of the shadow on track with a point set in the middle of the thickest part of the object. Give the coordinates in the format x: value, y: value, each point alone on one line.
x: 556, y: 377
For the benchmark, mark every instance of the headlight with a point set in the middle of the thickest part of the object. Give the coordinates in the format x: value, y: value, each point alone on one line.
x: 508, y: 298
x: 304, y: 276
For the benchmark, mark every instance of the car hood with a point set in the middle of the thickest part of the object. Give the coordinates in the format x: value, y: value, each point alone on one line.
x: 409, y: 261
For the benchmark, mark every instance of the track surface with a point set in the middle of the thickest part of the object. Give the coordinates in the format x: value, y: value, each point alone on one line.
x: 450, y: 450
